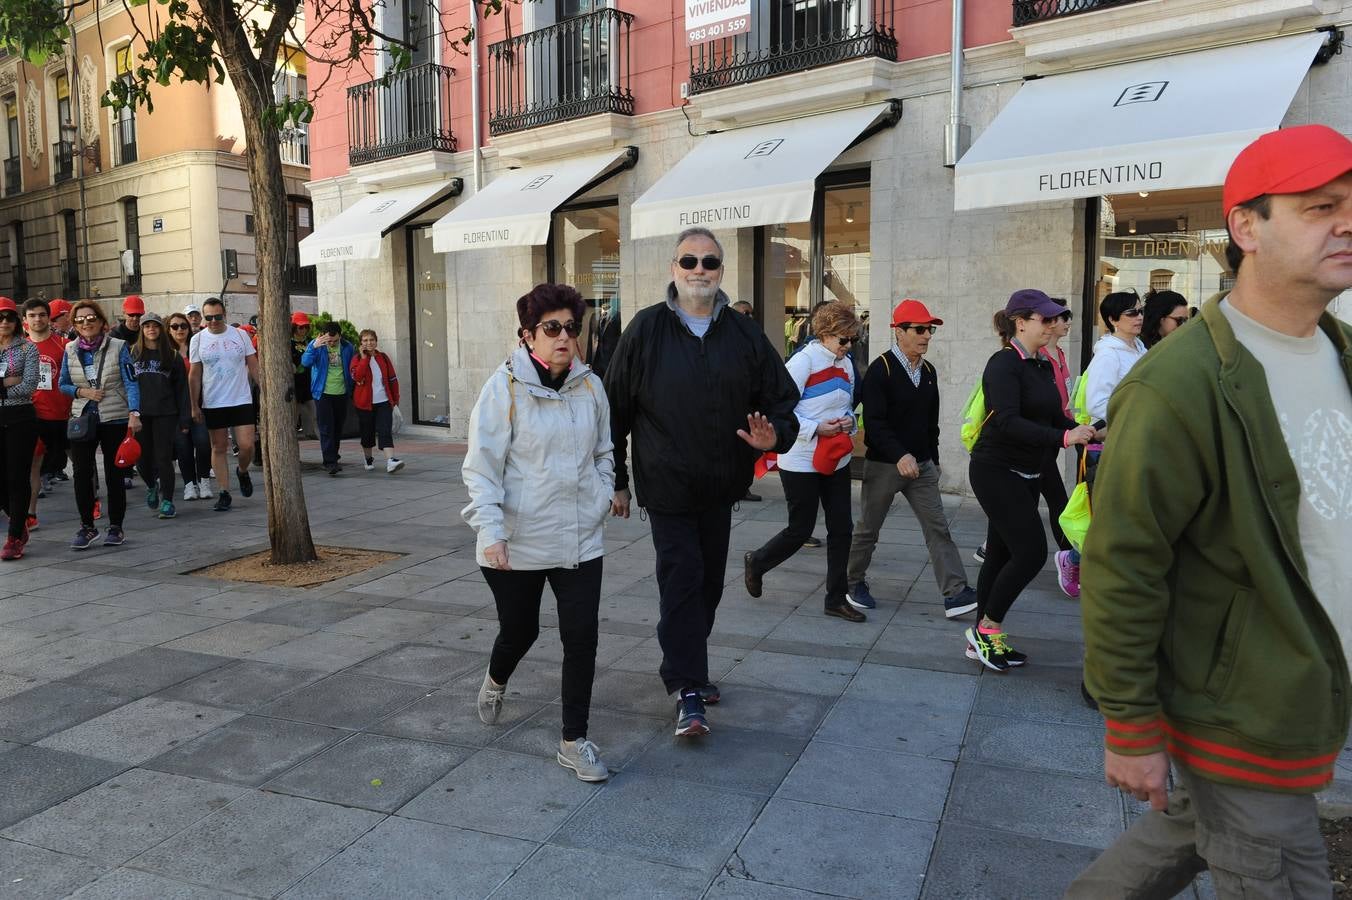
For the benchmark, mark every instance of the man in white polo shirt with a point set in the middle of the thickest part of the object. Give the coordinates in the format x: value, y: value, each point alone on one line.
x: 223, y: 362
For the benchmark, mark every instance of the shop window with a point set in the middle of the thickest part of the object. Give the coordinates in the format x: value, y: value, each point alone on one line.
x: 1170, y: 240
x: 585, y: 252
x: 429, y: 329
x: 70, y: 257
x: 131, y: 253
x: 13, y: 169
x: 1161, y: 280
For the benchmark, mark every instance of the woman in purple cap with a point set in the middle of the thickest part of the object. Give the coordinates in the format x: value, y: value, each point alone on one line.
x: 1026, y: 424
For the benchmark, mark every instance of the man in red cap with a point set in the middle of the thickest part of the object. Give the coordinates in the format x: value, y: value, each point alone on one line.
x: 132, y: 310
x: 305, y: 404
x: 1217, y: 615
x: 900, y: 393
x: 60, y: 317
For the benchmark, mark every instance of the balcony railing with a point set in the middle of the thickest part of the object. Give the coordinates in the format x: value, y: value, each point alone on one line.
x: 70, y: 277
x: 295, y: 145
x: 1027, y: 12
x: 794, y: 35
x: 131, y: 281
x: 19, y: 274
x: 13, y: 178
x: 301, y: 279
x: 63, y: 161
x: 575, y: 68
x: 124, y: 141
x: 401, y: 113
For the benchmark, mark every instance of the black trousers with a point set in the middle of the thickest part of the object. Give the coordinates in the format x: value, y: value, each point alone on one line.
x: 1053, y: 490
x: 804, y: 491
x: 692, y: 557
x: 157, y: 437
x: 376, y: 423
x: 578, y: 594
x: 53, y: 435
x: 18, y: 437
x: 193, y: 449
x: 82, y: 454
x: 1016, y: 544
x: 331, y: 410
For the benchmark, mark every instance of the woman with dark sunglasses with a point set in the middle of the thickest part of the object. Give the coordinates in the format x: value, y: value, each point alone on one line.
x: 541, y: 477
x: 1165, y: 311
x: 816, y: 470
x: 18, y: 425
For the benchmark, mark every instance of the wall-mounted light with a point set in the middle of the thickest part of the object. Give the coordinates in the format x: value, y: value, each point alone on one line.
x: 1131, y: 226
x: 1181, y: 223
x: 849, y: 213
x: 1143, y: 194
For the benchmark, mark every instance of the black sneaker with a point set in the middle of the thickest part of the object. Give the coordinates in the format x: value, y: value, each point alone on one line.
x: 979, y: 554
x: 752, y: 575
x: 245, y: 483
x: 690, y: 721
x: 332, y: 469
x: 812, y: 543
x: 960, y: 604
x: 222, y: 501
x: 751, y: 498
x: 987, y: 648
x: 709, y: 694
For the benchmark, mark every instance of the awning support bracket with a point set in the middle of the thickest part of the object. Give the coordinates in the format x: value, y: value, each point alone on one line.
x: 1332, y: 47
x: 457, y: 185
x: 628, y: 161
x: 887, y: 120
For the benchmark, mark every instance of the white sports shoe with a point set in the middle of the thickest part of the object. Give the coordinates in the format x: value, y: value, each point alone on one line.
x: 204, y: 491
x: 393, y: 465
x: 582, y: 757
x: 190, y: 490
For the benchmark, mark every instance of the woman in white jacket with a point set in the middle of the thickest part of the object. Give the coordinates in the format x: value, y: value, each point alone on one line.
x: 540, y: 473
x: 1116, y: 352
x: 817, y: 469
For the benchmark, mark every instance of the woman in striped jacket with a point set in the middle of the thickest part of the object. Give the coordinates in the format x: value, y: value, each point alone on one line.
x: 817, y: 468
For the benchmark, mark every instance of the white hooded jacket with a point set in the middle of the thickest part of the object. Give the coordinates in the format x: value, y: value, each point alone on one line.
x: 540, y: 468
x: 1113, y: 359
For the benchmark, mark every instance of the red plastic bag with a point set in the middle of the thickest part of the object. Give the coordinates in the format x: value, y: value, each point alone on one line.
x: 128, y: 452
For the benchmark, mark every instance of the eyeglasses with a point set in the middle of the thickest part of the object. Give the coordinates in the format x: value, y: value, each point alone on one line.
x: 919, y: 329
x: 179, y: 326
x: 552, y: 327
x: 1180, y: 320
x: 711, y: 263
x: 84, y: 320
x: 220, y: 318
x: 1132, y: 313
x: 845, y: 341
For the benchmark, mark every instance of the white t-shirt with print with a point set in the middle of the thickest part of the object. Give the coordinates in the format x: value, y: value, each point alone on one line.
x: 225, y: 374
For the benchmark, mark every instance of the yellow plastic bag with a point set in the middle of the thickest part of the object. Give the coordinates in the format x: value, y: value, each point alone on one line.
x: 974, y: 417
x: 1076, y: 516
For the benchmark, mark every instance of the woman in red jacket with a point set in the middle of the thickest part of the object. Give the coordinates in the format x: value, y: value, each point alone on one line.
x: 375, y: 394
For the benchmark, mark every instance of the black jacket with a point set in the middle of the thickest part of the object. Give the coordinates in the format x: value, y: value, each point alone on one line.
x: 1027, y: 423
x: 900, y: 418
x: 123, y: 333
x: 683, y: 400
x: 164, y: 388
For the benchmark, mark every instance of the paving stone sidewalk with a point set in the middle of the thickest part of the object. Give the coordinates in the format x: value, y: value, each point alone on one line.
x: 169, y: 736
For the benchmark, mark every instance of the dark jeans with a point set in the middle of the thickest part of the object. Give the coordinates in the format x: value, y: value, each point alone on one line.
x: 17, y: 440
x: 157, y: 437
x: 804, y: 491
x: 331, y: 409
x: 376, y: 422
x: 1053, y: 490
x: 692, y: 557
x: 82, y: 454
x: 578, y: 595
x: 193, y: 449
x: 1016, y: 544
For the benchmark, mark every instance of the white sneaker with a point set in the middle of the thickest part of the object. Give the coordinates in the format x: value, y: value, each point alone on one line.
x: 369, y: 465
x: 204, y: 491
x: 583, y: 758
x: 490, y: 700
x: 190, y: 491
x: 393, y: 465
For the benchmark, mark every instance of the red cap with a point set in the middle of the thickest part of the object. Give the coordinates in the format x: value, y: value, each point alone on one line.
x: 913, y: 312
x: 1289, y: 161
x: 59, y: 307
x: 299, y: 318
x: 134, y: 306
x: 6, y: 303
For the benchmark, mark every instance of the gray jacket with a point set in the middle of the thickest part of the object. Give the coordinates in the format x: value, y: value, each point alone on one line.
x: 540, y: 468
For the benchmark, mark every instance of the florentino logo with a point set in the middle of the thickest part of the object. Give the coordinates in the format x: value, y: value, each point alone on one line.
x: 764, y: 148
x: 1148, y: 92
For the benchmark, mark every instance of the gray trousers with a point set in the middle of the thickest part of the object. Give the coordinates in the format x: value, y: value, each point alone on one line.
x: 1258, y: 845
x: 882, y: 482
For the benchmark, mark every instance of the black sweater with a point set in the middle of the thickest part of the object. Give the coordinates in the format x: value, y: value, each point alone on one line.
x: 1027, y: 423
x: 164, y: 388
x: 899, y: 417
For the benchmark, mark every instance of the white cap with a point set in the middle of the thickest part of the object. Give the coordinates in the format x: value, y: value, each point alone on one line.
x: 189, y: 309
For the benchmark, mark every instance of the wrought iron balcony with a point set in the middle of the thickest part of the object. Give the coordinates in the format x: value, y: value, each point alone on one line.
x: 794, y: 35
x: 70, y: 277
x: 63, y: 161
x: 569, y: 70
x: 295, y: 145
x: 400, y: 113
x: 301, y: 279
x: 124, y: 141
x: 131, y: 281
x: 1027, y: 12
x: 13, y: 178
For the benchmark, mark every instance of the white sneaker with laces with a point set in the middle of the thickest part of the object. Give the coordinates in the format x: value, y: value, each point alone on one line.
x: 204, y: 491
x: 369, y: 465
x: 490, y: 700
x: 583, y: 757
x: 190, y: 491
x: 393, y: 465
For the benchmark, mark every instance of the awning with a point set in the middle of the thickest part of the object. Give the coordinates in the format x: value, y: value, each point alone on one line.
x: 356, y: 232
x: 516, y: 208
x: 762, y: 175
x: 1174, y: 122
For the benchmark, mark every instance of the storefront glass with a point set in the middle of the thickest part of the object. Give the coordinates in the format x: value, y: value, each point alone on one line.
x: 429, y: 329
x: 585, y: 253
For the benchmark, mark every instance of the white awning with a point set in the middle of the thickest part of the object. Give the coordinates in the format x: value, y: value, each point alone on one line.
x: 762, y: 175
x: 1174, y: 122
x: 356, y: 232
x: 516, y: 208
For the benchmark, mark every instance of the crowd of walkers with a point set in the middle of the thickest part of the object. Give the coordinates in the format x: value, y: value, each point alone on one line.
x: 150, y: 393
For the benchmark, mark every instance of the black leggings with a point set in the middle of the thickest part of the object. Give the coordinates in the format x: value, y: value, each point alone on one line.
x: 193, y: 449
x: 1016, y: 544
x: 804, y: 491
x: 157, y: 437
x: 17, y: 441
x: 1053, y: 490
x: 376, y: 423
x: 578, y: 595
x: 82, y: 454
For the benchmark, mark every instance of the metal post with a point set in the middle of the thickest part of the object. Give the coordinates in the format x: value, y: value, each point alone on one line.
x: 957, y: 134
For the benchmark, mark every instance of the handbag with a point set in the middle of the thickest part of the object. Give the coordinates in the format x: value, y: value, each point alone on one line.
x: 85, y: 426
x: 1075, y: 518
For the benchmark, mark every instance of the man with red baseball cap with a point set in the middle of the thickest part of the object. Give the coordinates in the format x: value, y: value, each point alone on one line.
x: 60, y: 317
x: 1217, y: 615
x: 132, y: 309
x: 900, y: 392
x: 308, y: 421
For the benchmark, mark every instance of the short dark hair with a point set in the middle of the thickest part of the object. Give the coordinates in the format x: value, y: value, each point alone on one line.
x: 1234, y: 257
x: 1158, y: 305
x: 1116, y: 303
x: 36, y: 303
x: 546, y: 298
x: 217, y: 301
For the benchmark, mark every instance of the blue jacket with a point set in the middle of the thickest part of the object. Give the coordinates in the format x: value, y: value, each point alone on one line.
x: 317, y: 358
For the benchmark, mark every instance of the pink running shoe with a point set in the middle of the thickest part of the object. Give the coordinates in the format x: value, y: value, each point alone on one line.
x: 1067, y: 575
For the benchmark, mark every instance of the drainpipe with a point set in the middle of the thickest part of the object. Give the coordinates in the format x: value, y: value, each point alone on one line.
x: 957, y: 134
x: 474, y: 90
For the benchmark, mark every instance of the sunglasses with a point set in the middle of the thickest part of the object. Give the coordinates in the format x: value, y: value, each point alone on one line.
x: 846, y: 341
x: 82, y: 320
x: 1133, y: 313
x: 10, y: 317
x: 220, y: 318
x: 1180, y: 320
x: 919, y: 329
x: 711, y: 263
x: 553, y: 327
x: 179, y: 326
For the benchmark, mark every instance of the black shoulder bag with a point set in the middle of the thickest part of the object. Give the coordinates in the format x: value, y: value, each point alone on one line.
x: 85, y: 426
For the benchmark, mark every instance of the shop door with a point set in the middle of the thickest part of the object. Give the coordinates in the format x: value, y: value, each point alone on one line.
x: 429, y: 330
x: 585, y: 252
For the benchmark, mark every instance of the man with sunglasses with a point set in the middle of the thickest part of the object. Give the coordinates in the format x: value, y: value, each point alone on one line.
x: 222, y: 363
x: 50, y: 404
x: 900, y: 393
x: 702, y: 393
x: 133, y: 308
